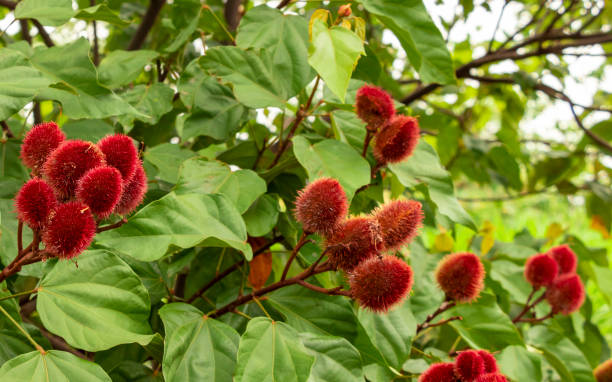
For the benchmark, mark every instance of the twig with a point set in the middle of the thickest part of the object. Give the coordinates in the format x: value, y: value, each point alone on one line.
x: 7, y: 130
x: 43, y: 33
x: 112, y: 226
x: 501, y: 14
x: 283, y: 3
x: 301, y: 242
x: 231, y: 11
x: 596, y: 138
x: 337, y: 291
x: 528, y: 307
x: 366, y: 142
x: 446, y: 305
x: 534, y: 320
x: 442, y: 322
x: 96, y: 49
x: 148, y: 20
x: 19, y: 238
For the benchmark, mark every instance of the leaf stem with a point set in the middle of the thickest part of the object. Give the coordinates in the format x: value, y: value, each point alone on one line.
x: 528, y: 307
x: 301, y: 242
x: 446, y: 305
x: 22, y: 330
x: 19, y: 294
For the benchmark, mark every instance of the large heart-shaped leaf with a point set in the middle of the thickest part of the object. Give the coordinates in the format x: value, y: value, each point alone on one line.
x: 48, y: 12
x: 52, y: 366
x: 120, y: 67
x: 336, y: 359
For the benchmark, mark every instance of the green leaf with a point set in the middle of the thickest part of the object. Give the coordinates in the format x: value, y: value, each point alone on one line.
x: 198, y: 175
x: 507, y: 166
x: 197, y: 348
x: 419, y: 36
x: 510, y: 276
x: 151, y: 101
x: 336, y: 359
x: 54, y: 365
x: 333, y: 54
x: 484, y: 324
x: 518, y: 363
x: 87, y: 129
x: 424, y: 166
x: 562, y: 354
x: 96, y: 306
x: 269, y: 351
x: 603, y: 280
x: 256, y: 83
x: 167, y: 158
x: 182, y: 221
x: 333, y: 159
x: 120, y: 67
x: 262, y: 216
x: 101, y: 12
x: 47, y: 12
x: 285, y: 37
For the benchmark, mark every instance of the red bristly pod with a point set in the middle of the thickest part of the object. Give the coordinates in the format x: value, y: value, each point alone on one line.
x: 439, y: 372
x: 70, y: 230
x: 357, y: 239
x: 133, y: 192
x: 603, y: 372
x: 378, y: 283
x: 100, y: 189
x: 541, y: 270
x: 469, y: 365
x: 374, y: 106
x: 400, y: 221
x: 121, y: 154
x: 491, y: 377
x: 566, y: 294
x: 397, y: 140
x: 321, y: 206
x: 34, y: 202
x: 68, y: 163
x: 38, y: 143
x: 565, y: 258
x: 461, y: 276
x: 490, y: 363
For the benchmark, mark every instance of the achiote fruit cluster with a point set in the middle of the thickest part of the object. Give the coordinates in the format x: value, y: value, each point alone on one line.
x: 469, y: 366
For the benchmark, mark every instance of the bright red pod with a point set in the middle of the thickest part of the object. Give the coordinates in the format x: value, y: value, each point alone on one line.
x: 38, y: 143
x: 566, y: 294
x: 491, y: 377
x: 439, y: 372
x: 603, y: 372
x: 133, y: 192
x: 565, y: 258
x: 490, y: 363
x: 100, y: 189
x: 121, y: 154
x: 374, y: 106
x: 400, y: 221
x: 397, y: 140
x: 541, y: 270
x: 357, y: 239
x: 68, y: 163
x: 321, y: 206
x: 34, y: 202
x: 378, y: 283
x: 70, y: 230
x: 461, y: 276
x: 469, y: 365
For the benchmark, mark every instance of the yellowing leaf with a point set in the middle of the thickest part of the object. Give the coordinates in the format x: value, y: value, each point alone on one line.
x: 346, y: 24
x: 598, y: 225
x: 553, y: 231
x: 488, y: 239
x: 319, y: 14
x: 360, y: 28
x: 443, y: 243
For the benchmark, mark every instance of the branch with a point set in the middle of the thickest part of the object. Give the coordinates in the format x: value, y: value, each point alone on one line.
x: 112, y: 226
x: 43, y: 33
x: 596, y: 138
x: 294, y: 253
x: 283, y: 4
x: 528, y: 307
x: 7, y: 130
x: 501, y: 14
x: 96, y: 48
x: 446, y: 305
x: 231, y: 11
x: 148, y: 20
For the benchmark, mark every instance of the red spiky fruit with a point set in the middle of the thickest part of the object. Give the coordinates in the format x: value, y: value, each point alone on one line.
x: 321, y: 206
x: 121, y: 154
x: 38, y: 143
x: 461, y: 276
x: 100, y: 189
x: 603, y: 372
x: 133, y: 192
x: 490, y: 363
x: 399, y: 221
x: 397, y: 140
x: 374, y: 106
x: 34, y: 202
x: 541, y: 270
x: 378, y: 283
x: 566, y: 294
x: 491, y: 377
x: 70, y: 230
x: 565, y: 258
x: 68, y: 163
x: 469, y: 365
x: 439, y: 372
x: 357, y: 239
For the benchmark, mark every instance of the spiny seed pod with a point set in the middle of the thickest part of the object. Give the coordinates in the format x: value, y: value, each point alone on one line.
x: 439, y: 372
x: 68, y: 163
x: 566, y: 294
x: 541, y: 270
x: 70, y: 230
x: 321, y: 206
x: 344, y: 10
x: 100, y: 189
x: 491, y: 377
x: 490, y: 364
x: 461, y: 276
x: 379, y: 283
x: 565, y: 258
x: 603, y: 372
x: 357, y: 239
x: 121, y: 154
x: 34, y: 201
x: 133, y: 192
x: 374, y: 106
x: 397, y: 140
x: 38, y: 143
x: 469, y: 365
x: 400, y: 221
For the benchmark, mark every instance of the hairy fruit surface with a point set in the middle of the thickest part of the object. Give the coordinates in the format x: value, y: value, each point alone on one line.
x: 321, y: 206
x: 121, y: 154
x: 399, y: 221
x: 566, y: 294
x: 34, y: 202
x: 397, y: 140
x: 38, y: 143
x: 100, y: 189
x: 603, y: 372
x: 133, y: 192
x: 374, y: 106
x: 70, y: 230
x: 491, y: 377
x: 469, y: 365
x: 357, y: 239
x: 541, y: 270
x: 461, y: 276
x: 565, y: 258
x: 439, y: 372
x: 490, y: 363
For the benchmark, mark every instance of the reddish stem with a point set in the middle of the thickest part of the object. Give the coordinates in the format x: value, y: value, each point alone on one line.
x: 112, y: 226
x: 366, y: 143
x: 301, y: 242
x: 446, y: 305
x: 528, y: 307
